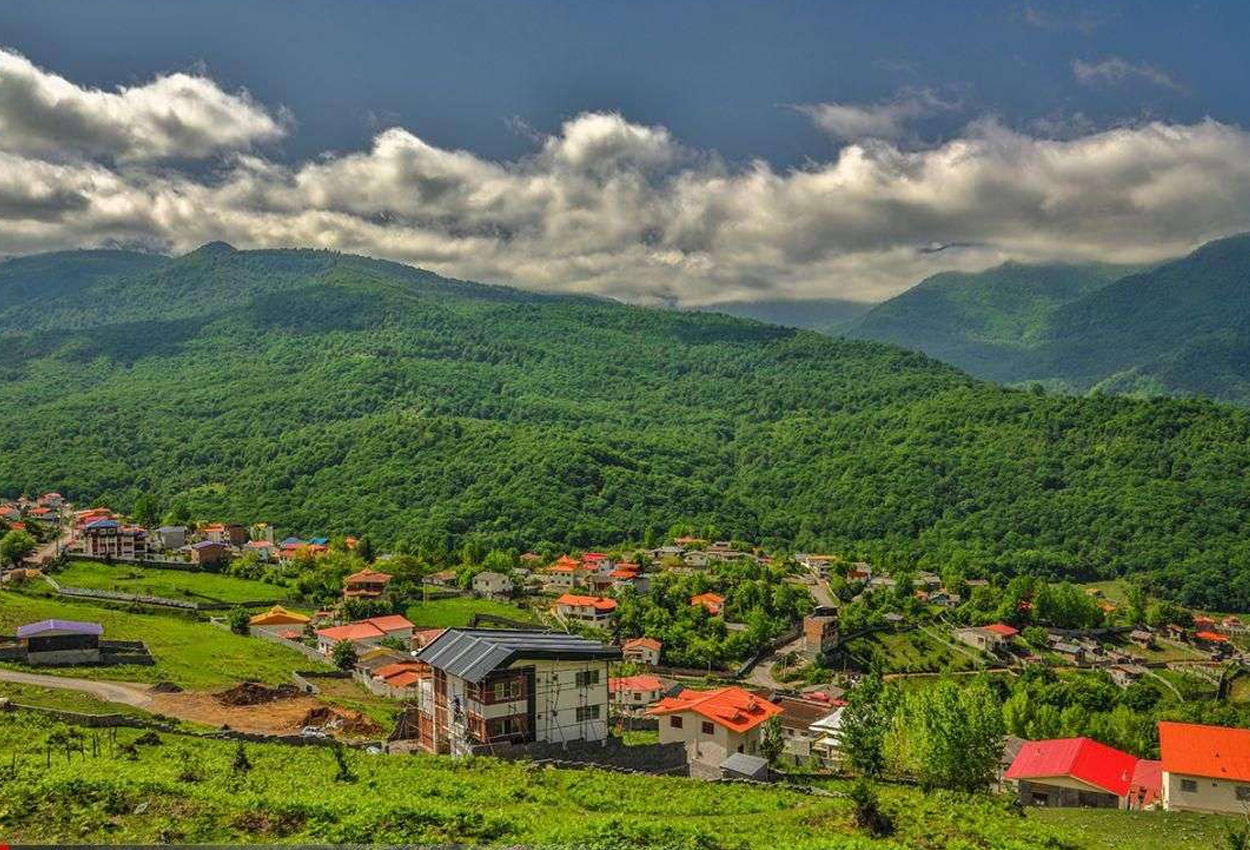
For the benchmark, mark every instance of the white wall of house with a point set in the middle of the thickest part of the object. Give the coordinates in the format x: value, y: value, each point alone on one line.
x: 1204, y: 794
x: 707, y: 742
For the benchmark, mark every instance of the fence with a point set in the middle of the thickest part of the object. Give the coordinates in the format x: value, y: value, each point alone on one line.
x: 155, y: 601
x: 308, y: 651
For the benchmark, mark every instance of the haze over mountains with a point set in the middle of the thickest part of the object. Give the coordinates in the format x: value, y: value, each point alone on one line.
x: 331, y: 392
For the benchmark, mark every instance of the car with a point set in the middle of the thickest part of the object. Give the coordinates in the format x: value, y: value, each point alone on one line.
x: 312, y: 732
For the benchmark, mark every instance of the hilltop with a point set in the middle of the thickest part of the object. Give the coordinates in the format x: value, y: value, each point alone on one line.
x: 325, y: 391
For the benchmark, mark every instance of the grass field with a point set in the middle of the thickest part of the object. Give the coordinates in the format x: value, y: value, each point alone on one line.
x: 443, y: 613
x: 185, y: 790
x: 170, y: 584
x: 911, y: 652
x: 63, y: 699
x: 189, y: 652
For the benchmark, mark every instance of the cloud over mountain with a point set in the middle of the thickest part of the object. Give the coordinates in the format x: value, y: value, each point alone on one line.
x: 603, y: 204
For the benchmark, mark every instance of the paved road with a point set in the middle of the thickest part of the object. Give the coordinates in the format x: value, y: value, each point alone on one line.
x: 127, y: 693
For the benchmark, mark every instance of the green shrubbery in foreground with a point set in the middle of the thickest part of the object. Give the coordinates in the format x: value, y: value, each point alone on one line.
x: 185, y: 789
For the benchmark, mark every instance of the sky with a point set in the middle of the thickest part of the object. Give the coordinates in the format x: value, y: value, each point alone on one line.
x: 658, y: 152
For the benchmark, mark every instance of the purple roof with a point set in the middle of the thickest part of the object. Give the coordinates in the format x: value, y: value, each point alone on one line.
x: 204, y: 544
x: 71, y: 626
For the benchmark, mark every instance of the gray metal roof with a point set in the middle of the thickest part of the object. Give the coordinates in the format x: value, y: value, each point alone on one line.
x: 745, y: 765
x: 473, y: 653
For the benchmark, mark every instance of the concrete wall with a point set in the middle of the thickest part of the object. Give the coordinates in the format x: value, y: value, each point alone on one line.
x: 1211, y: 795
x: 708, y: 749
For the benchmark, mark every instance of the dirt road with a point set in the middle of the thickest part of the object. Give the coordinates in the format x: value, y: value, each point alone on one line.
x: 127, y: 693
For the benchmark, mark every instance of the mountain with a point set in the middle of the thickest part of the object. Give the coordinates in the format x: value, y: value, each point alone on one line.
x: 827, y: 315
x: 995, y: 324
x: 1181, y: 328
x: 336, y: 394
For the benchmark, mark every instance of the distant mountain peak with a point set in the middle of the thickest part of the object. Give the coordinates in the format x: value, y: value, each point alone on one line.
x: 214, y: 248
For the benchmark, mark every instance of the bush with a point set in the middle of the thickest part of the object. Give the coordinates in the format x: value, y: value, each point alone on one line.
x: 868, y: 814
x: 238, y: 619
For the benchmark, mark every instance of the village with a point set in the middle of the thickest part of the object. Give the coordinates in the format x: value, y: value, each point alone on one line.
x: 700, y: 658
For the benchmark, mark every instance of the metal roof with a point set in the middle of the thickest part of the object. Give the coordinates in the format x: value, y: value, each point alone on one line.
x: 71, y: 626
x: 473, y: 653
x: 745, y: 765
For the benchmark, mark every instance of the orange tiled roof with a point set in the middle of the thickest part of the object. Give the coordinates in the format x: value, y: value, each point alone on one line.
x: 644, y: 642
x: 642, y: 682
x: 1218, y: 752
x: 367, y: 575
x: 710, y: 601
x: 352, y: 631
x: 389, y: 623
x: 279, y: 616
x: 599, y: 603
x: 731, y: 707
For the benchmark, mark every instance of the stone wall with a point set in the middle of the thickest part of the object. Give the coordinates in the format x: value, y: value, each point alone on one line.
x: 668, y: 759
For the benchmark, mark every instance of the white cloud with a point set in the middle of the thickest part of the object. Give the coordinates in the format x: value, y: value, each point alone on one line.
x: 178, y: 115
x: 889, y: 120
x: 1114, y: 70
x: 607, y: 206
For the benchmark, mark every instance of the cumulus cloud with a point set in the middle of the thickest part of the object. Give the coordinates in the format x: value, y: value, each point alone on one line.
x: 178, y: 115
x: 613, y: 207
x: 889, y: 120
x: 1114, y: 70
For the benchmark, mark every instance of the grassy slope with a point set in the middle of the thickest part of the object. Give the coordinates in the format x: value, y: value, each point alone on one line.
x: 441, y: 613
x: 290, y: 795
x: 189, y: 652
x: 170, y: 584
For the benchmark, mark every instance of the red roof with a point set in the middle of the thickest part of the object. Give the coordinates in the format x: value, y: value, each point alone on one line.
x: 352, y: 631
x: 1218, y: 752
x: 641, y: 682
x: 731, y: 707
x: 1148, y: 781
x: 645, y: 643
x: 1002, y: 629
x: 593, y: 556
x: 623, y: 573
x: 389, y: 623
x: 599, y: 603
x: 711, y: 601
x: 405, y: 680
x: 1213, y: 637
x: 366, y: 575
x: 1083, y: 759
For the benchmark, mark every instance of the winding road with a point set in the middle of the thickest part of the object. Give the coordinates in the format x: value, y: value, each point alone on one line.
x: 127, y: 693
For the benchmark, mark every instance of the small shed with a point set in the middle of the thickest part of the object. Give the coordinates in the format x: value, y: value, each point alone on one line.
x: 743, y: 766
x: 61, y: 642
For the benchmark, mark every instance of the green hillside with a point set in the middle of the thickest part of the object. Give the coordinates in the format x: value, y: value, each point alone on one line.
x: 332, y: 393
x: 1181, y: 328
x: 994, y: 323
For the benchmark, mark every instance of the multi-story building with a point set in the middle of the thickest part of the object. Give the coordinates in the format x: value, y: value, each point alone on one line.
x: 591, y: 610
x: 713, y: 725
x: 491, y: 688
x: 108, y: 538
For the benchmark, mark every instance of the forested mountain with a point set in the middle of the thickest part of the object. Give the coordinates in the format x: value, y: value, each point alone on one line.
x: 333, y: 393
x: 993, y: 323
x: 1181, y: 328
x: 828, y: 315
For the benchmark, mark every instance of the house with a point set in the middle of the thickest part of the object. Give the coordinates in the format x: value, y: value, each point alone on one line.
x: 494, y: 688
x: 989, y: 638
x: 445, y: 578
x: 108, y: 538
x: 264, y: 549
x: 170, y: 537
x: 1204, y: 768
x: 593, y: 610
x: 208, y: 553
x: 797, y: 716
x: 492, y: 584
x: 643, y: 650
x: 1231, y: 625
x: 827, y: 744
x: 1126, y: 674
x: 228, y: 533
x: 366, y: 633
x: 278, y: 620
x: 565, y: 573
x: 56, y: 642
x: 55, y: 501
x: 820, y: 632
x: 713, y: 725
x: 635, y: 692
x: 366, y: 584
x: 696, y: 558
x: 1142, y: 638
x: 1213, y: 642
x: 597, y: 562
x: 1071, y: 772
x: 1071, y: 651
x: 713, y: 603
x: 399, y: 679
x: 623, y: 578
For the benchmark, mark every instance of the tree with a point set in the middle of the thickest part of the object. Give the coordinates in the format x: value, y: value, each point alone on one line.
x: 954, y: 735
x: 868, y: 814
x: 15, y: 546
x: 238, y: 620
x: 147, y: 513
x: 344, y: 655
x: 364, y: 550
x: 865, y: 722
x: 179, y: 513
x: 771, y: 740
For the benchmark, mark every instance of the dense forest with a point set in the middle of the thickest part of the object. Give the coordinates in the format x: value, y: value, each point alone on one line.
x: 1181, y: 328
x: 335, y: 394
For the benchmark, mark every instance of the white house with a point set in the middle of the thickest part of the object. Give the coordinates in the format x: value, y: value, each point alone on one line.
x: 1205, y: 768
x: 492, y: 584
x: 635, y: 692
x: 592, y: 610
x: 643, y: 650
x: 366, y: 633
x: 713, y: 725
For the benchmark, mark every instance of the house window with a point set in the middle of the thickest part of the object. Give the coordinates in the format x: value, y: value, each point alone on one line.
x: 1242, y: 792
x: 509, y: 689
x: 587, y: 712
x: 1189, y: 786
x: 675, y: 722
x: 586, y: 678
x: 708, y: 728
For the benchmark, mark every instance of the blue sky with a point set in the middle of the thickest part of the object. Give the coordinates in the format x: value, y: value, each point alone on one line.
x: 792, y: 84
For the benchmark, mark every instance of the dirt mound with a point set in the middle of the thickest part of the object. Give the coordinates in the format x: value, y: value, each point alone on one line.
x: 166, y: 688
x: 252, y: 693
x: 348, y: 724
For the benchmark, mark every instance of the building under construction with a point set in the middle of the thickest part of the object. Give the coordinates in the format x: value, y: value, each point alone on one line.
x: 493, y: 688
